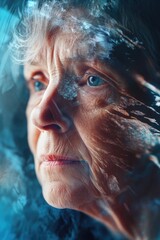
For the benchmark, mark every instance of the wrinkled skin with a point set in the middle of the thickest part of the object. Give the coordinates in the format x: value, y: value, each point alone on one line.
x: 78, y: 111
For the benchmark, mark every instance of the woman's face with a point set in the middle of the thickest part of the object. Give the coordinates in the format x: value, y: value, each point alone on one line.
x: 82, y: 138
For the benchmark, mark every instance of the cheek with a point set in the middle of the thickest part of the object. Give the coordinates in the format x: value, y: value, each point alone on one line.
x: 93, y: 100
x: 111, y: 128
x: 93, y: 108
x: 113, y: 141
x: 103, y: 172
x: 33, y: 132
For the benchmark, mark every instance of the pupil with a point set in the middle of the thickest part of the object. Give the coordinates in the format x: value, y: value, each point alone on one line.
x: 93, y: 81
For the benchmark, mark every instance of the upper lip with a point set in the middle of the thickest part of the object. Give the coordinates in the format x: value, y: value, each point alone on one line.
x: 53, y: 157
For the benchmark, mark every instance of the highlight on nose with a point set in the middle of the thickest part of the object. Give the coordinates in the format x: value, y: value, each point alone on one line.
x: 46, y: 117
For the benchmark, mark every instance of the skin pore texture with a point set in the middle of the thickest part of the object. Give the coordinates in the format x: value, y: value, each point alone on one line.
x: 86, y: 143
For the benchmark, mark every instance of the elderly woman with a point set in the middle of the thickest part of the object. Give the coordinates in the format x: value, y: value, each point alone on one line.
x: 92, y: 114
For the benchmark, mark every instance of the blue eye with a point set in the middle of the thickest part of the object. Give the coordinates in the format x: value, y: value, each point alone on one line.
x: 94, y: 81
x: 38, y: 86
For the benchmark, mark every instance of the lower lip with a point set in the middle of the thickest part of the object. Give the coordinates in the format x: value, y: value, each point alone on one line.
x: 61, y: 162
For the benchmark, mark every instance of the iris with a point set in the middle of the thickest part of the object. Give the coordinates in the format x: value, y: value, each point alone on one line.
x: 94, y: 81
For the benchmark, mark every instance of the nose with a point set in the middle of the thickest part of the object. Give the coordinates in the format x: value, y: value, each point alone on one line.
x: 48, y: 115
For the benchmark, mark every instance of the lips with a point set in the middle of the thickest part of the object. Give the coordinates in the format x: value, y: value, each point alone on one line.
x: 59, y: 160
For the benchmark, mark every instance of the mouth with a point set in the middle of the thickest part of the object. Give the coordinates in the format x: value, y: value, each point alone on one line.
x: 59, y: 160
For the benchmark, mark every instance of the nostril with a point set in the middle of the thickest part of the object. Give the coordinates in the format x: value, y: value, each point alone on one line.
x: 62, y: 126
x: 46, y: 117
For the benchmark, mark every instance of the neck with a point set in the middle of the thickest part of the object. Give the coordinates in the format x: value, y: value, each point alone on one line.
x: 136, y: 221
x: 101, y: 211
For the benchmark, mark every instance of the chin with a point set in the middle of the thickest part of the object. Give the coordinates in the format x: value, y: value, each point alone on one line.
x: 61, y: 195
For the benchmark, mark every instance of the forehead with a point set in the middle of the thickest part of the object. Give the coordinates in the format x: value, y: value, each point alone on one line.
x: 70, y: 33
x: 68, y: 47
x: 76, y: 37
x: 60, y: 51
